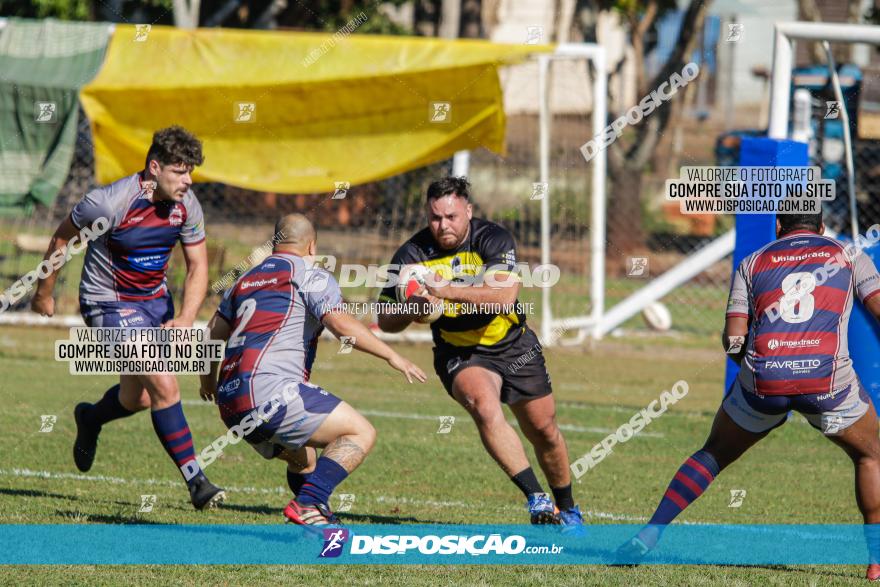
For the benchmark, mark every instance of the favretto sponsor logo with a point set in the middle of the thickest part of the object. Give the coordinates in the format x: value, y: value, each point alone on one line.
x: 795, y: 365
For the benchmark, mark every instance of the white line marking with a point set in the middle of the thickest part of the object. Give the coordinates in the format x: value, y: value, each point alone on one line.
x: 410, y: 416
x: 381, y: 499
x: 410, y: 501
x: 383, y: 414
x: 606, y: 431
x: 629, y: 409
x: 121, y: 481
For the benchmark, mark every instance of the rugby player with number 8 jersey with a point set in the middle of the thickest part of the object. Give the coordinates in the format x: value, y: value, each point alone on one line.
x: 786, y: 325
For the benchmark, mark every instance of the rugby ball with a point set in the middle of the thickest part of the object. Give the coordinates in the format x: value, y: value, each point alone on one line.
x: 412, y: 279
x: 657, y: 316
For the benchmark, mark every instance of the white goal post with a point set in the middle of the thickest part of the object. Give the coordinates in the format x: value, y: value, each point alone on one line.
x: 600, y: 322
x: 595, y: 55
x: 780, y: 82
x: 783, y: 59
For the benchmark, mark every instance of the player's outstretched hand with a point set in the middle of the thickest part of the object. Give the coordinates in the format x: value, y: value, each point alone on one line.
x: 43, y: 305
x: 410, y: 370
x: 206, y: 393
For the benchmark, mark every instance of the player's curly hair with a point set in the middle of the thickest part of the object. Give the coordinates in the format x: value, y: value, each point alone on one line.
x: 174, y: 145
x: 449, y: 185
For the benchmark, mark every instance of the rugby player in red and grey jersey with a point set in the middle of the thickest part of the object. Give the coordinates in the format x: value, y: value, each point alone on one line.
x: 787, y: 320
x: 123, y: 285
x: 271, y: 320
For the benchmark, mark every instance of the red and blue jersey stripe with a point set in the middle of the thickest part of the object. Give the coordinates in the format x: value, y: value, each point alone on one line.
x: 799, y: 295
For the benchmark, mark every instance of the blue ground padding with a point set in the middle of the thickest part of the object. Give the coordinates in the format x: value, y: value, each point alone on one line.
x: 753, y: 231
x: 864, y: 340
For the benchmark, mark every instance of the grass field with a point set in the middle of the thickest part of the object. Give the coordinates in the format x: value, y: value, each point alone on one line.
x: 416, y: 475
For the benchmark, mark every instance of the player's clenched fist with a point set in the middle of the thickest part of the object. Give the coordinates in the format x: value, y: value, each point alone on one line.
x: 435, y: 286
x: 43, y: 305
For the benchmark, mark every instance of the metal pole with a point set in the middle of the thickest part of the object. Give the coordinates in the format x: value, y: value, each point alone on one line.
x: 847, y: 143
x: 728, y: 90
x: 461, y: 163
x: 780, y: 83
x: 597, y: 222
x: 659, y: 287
x: 596, y: 56
x: 544, y: 162
x: 782, y: 60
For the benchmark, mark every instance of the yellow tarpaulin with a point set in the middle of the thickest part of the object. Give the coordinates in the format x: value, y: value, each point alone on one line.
x: 296, y: 112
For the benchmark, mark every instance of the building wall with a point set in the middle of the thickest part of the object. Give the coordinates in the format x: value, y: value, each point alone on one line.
x: 755, y: 49
x: 571, y: 91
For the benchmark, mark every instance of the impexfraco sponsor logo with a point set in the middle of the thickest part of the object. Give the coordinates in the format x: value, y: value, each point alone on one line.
x: 774, y: 343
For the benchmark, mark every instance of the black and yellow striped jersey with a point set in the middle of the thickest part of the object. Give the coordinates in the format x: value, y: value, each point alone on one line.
x: 488, y: 249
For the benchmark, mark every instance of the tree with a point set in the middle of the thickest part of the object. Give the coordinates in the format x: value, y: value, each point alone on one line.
x: 327, y: 15
x: 629, y: 155
x: 330, y: 15
x: 809, y: 10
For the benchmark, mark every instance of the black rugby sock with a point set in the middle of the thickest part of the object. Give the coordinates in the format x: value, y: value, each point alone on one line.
x: 107, y: 409
x: 527, y: 482
x: 563, y: 498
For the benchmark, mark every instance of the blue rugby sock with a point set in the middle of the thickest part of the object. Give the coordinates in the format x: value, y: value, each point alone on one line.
x: 872, y: 539
x: 173, y: 431
x: 321, y: 482
x: 107, y: 409
x: 689, y: 483
x: 295, y: 481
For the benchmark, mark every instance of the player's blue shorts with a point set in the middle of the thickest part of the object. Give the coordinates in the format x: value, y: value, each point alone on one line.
x: 147, y: 314
x: 286, y: 422
x: 831, y: 413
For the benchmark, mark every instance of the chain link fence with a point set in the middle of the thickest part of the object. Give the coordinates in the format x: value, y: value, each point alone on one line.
x: 372, y: 220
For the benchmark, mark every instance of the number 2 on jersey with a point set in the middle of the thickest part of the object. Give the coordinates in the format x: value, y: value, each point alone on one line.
x: 244, y: 314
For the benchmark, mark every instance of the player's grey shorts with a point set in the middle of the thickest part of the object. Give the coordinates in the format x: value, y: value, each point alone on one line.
x: 831, y: 413
x: 287, y: 420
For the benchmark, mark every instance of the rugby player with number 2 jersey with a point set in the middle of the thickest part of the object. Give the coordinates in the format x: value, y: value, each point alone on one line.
x: 271, y: 319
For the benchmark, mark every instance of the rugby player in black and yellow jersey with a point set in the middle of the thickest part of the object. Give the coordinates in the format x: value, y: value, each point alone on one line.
x: 484, y: 352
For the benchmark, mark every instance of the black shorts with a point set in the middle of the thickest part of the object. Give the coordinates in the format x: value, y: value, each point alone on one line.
x: 521, y: 367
